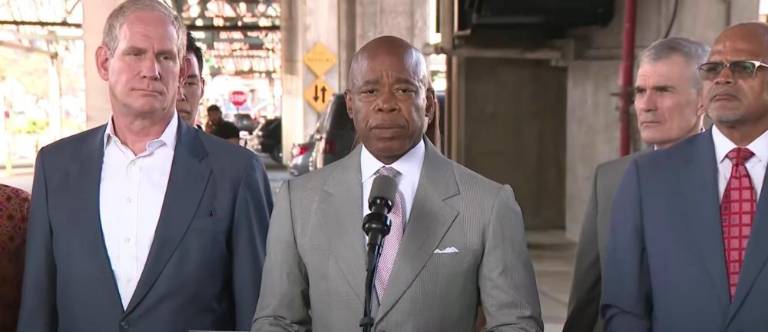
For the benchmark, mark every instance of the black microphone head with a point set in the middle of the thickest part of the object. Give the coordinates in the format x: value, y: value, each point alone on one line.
x: 383, y: 187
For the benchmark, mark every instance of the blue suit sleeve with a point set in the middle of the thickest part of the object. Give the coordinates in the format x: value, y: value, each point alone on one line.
x: 38, y: 304
x: 253, y: 206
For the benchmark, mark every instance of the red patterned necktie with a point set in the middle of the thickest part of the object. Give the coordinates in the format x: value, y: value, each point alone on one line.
x: 392, y: 241
x: 737, y: 209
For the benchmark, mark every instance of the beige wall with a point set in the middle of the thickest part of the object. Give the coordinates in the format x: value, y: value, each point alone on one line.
x: 516, y: 135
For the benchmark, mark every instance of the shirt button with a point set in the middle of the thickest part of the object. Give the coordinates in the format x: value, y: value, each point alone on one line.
x: 127, y: 240
x: 129, y: 200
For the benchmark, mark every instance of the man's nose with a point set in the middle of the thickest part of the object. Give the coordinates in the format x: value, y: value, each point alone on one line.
x: 645, y: 102
x: 387, y: 102
x: 725, y: 76
x: 180, y: 96
x: 150, y: 69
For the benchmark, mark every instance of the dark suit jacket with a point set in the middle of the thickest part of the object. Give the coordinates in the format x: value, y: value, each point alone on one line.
x: 463, y: 244
x: 584, y: 301
x: 204, y: 266
x: 665, y: 266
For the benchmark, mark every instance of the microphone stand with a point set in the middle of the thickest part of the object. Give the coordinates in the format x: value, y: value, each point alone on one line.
x: 376, y: 226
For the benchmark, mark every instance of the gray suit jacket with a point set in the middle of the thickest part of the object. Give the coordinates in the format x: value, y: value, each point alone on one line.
x: 584, y: 301
x: 204, y: 266
x: 665, y: 264
x: 315, y: 269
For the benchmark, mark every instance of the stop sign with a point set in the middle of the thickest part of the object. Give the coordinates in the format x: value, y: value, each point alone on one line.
x: 238, y: 98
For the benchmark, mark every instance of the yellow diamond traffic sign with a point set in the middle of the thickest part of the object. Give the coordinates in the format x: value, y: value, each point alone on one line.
x: 319, y: 94
x: 319, y: 59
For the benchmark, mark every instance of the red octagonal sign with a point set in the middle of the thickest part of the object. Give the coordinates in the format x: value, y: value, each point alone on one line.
x: 238, y: 98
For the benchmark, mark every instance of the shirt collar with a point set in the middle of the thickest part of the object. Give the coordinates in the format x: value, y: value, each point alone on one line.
x: 723, y: 145
x: 408, y: 165
x: 167, y: 138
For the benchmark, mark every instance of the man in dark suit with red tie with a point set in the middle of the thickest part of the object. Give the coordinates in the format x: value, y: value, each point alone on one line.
x: 688, y: 240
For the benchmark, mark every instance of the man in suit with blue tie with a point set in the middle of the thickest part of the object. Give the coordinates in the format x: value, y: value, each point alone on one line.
x: 144, y: 224
x: 689, y: 232
x: 456, y: 241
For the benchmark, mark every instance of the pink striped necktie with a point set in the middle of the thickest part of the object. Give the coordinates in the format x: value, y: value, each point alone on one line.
x: 392, y: 241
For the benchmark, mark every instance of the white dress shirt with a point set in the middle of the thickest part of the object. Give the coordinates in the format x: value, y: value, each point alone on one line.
x: 130, y: 199
x: 409, y: 166
x: 755, y: 165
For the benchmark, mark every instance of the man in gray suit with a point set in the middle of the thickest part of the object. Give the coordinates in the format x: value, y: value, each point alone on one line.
x: 144, y: 224
x: 668, y: 101
x: 688, y: 240
x: 461, y: 241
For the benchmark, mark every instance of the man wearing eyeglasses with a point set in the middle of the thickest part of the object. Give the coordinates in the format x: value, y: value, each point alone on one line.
x: 668, y: 102
x: 688, y: 241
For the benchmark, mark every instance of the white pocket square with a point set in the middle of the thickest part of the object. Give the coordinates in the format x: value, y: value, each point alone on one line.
x: 449, y: 250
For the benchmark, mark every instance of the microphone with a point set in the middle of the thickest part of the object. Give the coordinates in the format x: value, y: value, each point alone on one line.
x: 380, y: 201
x: 376, y: 226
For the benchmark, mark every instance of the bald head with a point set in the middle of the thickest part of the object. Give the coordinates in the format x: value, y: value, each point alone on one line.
x: 388, y: 48
x: 755, y: 34
x: 389, y: 98
x: 736, y: 94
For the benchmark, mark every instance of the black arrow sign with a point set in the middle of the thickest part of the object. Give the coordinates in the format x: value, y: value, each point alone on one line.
x: 315, y: 98
x: 323, y: 90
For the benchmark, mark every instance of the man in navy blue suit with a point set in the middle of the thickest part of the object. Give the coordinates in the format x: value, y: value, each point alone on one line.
x: 689, y: 231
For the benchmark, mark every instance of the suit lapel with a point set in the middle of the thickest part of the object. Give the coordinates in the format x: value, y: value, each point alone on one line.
x: 430, y: 219
x: 700, y: 192
x: 85, y: 202
x: 341, y: 209
x: 186, y: 184
x: 757, y: 252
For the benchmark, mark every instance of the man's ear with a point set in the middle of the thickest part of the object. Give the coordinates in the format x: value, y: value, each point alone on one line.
x: 184, y: 69
x: 700, y: 109
x: 431, y: 108
x: 102, y: 62
x: 348, y: 100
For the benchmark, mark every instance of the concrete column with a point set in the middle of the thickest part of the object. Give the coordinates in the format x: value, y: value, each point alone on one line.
x: 347, y: 39
x: 304, y: 23
x: 406, y: 19
x: 97, y: 107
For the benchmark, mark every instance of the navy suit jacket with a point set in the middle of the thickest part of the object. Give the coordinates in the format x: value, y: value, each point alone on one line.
x: 204, y: 266
x: 665, y: 266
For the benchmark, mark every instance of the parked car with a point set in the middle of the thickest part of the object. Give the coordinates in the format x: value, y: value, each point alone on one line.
x: 244, y: 122
x: 300, y: 156
x: 335, y: 137
x: 268, y: 139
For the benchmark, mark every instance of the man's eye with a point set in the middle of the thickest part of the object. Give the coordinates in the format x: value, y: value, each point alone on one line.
x: 368, y: 91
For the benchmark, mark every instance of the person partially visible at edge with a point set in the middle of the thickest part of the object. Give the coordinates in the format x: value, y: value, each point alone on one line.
x: 192, y: 86
x: 219, y: 127
x: 144, y: 223
x: 14, y: 212
x: 669, y: 106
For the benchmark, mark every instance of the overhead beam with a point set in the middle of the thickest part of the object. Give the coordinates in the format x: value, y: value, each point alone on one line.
x: 231, y: 28
x: 43, y: 24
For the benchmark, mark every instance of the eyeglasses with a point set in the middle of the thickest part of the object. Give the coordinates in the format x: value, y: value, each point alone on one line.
x: 741, y: 69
